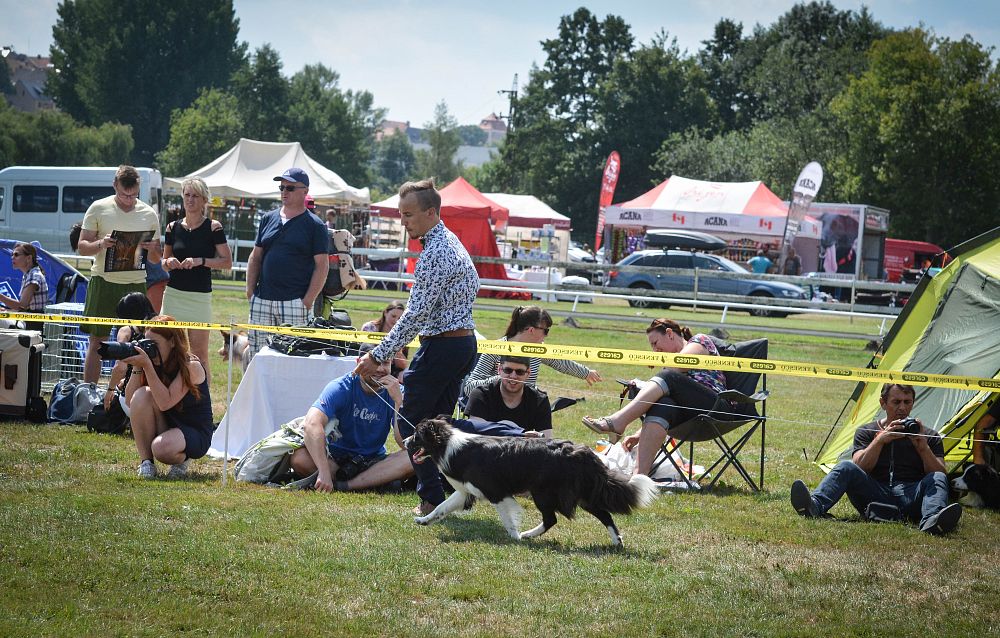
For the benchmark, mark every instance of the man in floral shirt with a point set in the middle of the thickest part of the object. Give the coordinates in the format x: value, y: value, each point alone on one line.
x: 439, y: 311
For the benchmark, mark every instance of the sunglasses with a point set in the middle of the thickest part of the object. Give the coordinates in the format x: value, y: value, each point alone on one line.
x: 516, y: 371
x: 290, y: 189
x: 544, y: 330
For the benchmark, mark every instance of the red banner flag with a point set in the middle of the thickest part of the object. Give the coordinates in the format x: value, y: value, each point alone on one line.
x: 611, y: 170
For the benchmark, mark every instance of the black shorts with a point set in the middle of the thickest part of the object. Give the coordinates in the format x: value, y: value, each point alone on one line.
x: 350, y: 465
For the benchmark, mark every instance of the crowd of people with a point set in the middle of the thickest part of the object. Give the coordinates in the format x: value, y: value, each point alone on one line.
x: 895, y: 473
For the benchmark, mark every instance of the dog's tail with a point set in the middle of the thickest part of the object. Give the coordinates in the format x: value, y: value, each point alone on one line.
x: 620, y: 495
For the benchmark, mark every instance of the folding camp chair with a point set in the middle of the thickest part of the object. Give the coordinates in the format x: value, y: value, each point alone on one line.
x: 735, y: 408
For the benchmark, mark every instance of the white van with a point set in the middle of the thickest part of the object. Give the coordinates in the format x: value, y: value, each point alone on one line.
x: 41, y: 203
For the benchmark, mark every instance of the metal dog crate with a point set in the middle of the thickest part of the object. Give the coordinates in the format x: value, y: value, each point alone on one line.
x: 65, y: 347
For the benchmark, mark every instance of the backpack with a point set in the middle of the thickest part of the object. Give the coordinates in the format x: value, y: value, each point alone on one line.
x: 110, y: 421
x: 73, y: 400
x: 308, y: 345
x: 269, y: 460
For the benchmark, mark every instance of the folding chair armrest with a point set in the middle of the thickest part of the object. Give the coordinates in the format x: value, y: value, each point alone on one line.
x: 738, y: 397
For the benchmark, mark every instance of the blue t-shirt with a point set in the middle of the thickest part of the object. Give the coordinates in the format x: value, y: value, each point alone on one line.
x: 289, y: 251
x: 365, y: 419
x: 760, y: 264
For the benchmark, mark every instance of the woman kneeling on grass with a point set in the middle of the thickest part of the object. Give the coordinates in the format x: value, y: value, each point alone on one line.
x: 170, y: 405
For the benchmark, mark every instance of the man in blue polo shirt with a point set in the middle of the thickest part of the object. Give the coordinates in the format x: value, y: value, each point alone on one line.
x: 289, y: 262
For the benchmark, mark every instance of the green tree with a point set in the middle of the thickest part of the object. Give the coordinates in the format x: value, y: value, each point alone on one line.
x: 922, y: 127
x: 53, y: 138
x: 6, y: 86
x: 650, y: 94
x: 334, y: 127
x: 135, y: 62
x: 471, y: 135
x: 394, y: 162
x: 262, y: 93
x: 554, y: 150
x: 201, y: 132
x: 439, y: 160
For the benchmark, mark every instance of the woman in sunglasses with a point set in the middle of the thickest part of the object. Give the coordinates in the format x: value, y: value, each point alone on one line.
x: 168, y: 397
x: 528, y: 324
x: 673, y: 395
x: 34, y: 289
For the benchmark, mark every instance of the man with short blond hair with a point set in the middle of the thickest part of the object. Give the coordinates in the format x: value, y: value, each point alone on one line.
x: 440, y: 313
x: 289, y: 262
x: 122, y: 212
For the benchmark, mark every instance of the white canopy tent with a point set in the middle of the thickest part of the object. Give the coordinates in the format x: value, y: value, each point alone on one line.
x: 249, y: 168
x: 528, y: 213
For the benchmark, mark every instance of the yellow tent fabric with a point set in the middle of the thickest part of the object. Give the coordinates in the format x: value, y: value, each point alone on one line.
x: 951, y: 325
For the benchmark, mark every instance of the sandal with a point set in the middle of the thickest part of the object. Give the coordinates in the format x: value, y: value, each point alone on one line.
x: 603, y: 425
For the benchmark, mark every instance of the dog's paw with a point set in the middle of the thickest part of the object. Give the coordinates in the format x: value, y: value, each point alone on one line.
x: 422, y: 520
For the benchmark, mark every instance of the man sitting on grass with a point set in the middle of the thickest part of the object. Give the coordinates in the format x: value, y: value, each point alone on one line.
x: 896, y: 472
x: 507, y: 397
x: 365, y: 408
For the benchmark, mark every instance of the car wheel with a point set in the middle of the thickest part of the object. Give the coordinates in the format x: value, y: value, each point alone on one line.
x: 641, y: 289
x: 760, y: 312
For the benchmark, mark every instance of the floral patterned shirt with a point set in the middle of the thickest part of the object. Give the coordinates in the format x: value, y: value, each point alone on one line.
x: 712, y: 379
x: 445, y: 285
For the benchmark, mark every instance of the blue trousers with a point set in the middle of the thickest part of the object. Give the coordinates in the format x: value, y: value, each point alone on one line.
x: 431, y: 387
x: 917, y: 501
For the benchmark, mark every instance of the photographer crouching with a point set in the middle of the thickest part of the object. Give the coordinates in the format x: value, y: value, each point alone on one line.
x: 168, y: 396
x: 896, y: 471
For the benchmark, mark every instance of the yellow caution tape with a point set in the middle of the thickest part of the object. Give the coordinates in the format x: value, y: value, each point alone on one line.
x: 583, y: 353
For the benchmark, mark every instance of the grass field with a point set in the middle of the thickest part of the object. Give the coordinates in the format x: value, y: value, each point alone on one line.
x: 86, y: 548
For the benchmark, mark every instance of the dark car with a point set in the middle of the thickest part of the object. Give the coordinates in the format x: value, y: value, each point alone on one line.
x: 684, y: 282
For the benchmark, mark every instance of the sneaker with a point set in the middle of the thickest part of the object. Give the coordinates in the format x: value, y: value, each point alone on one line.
x: 803, y: 501
x: 944, y: 521
x: 178, y: 471
x: 147, y: 469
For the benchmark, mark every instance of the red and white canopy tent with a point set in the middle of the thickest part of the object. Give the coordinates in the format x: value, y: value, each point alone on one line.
x: 731, y: 210
x: 527, y: 214
x: 471, y: 216
x: 741, y: 208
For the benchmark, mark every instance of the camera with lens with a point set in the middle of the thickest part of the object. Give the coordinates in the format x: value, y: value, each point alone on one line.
x: 117, y: 350
x: 910, y: 425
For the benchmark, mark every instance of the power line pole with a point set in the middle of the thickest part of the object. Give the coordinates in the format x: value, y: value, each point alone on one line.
x: 511, y: 104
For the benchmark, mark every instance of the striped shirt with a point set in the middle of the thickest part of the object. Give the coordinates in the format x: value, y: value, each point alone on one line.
x: 445, y: 285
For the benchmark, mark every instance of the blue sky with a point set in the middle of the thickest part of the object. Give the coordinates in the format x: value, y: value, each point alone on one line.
x: 411, y: 55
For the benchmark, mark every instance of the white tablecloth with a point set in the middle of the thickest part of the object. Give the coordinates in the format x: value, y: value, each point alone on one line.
x: 275, y: 389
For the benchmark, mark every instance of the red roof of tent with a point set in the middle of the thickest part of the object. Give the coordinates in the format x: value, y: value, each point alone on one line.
x: 682, y: 194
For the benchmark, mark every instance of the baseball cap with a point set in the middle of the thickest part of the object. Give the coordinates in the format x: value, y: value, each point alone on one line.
x: 310, y: 202
x: 294, y: 175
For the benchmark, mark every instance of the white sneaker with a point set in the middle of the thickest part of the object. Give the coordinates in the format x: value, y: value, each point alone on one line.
x: 178, y: 471
x: 147, y: 469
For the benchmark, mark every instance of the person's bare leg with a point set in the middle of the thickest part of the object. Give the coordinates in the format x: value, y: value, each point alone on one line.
x: 92, y: 361
x: 169, y: 447
x: 637, y: 407
x: 395, y: 466
x: 651, y: 437
x: 199, y: 346
x: 145, y: 426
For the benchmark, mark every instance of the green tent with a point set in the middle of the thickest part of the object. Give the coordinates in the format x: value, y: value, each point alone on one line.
x: 951, y: 325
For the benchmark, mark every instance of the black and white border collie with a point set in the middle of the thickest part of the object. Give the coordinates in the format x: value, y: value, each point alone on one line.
x: 559, y: 475
x: 981, y: 483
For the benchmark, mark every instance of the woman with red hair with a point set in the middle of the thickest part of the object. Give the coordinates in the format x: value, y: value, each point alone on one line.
x: 167, y: 394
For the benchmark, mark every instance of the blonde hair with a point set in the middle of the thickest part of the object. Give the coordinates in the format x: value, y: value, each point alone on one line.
x: 200, y: 188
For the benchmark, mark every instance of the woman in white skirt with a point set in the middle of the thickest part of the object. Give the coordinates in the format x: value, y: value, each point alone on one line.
x: 193, y: 247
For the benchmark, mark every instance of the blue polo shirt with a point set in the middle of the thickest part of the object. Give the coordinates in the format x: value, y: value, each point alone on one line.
x: 365, y: 419
x: 289, y: 250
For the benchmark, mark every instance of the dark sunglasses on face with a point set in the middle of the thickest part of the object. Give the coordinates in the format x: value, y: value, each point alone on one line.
x: 290, y: 189
x: 544, y: 330
x: 516, y: 371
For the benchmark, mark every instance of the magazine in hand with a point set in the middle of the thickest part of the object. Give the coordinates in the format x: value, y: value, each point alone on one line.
x: 125, y: 254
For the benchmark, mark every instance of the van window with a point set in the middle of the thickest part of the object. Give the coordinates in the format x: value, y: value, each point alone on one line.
x: 77, y: 199
x: 36, y: 199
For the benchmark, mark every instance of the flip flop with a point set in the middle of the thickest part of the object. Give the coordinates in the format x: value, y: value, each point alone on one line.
x: 603, y: 425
